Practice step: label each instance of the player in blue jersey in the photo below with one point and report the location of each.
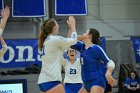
(91, 54)
(72, 66)
(52, 47)
(132, 83)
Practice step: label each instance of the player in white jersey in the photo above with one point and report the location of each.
(53, 47)
(4, 16)
(72, 66)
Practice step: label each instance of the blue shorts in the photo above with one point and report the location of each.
(72, 87)
(48, 85)
(95, 82)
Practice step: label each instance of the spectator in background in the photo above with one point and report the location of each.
(132, 83)
(4, 16)
(72, 66)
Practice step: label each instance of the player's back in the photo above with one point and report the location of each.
(51, 67)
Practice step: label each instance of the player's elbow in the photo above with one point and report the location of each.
(111, 64)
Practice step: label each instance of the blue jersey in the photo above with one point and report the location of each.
(90, 60)
(103, 69)
(131, 82)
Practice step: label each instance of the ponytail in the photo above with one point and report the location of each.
(46, 29)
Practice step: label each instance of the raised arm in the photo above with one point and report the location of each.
(71, 25)
(4, 47)
(4, 16)
(72, 35)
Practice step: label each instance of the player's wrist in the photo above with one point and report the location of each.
(4, 18)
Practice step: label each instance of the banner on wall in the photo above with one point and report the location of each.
(28, 8)
(70, 7)
(20, 53)
(24, 52)
(136, 48)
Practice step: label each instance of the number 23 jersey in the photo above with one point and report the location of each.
(72, 71)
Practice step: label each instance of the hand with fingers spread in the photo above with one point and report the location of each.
(71, 23)
(5, 12)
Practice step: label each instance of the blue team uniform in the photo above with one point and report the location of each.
(103, 68)
(72, 80)
(90, 61)
(131, 82)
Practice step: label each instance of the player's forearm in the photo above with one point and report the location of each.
(3, 50)
(2, 42)
(4, 45)
(69, 34)
(71, 30)
(71, 25)
(3, 23)
(110, 67)
(109, 70)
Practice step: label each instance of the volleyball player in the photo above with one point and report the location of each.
(53, 47)
(91, 54)
(72, 66)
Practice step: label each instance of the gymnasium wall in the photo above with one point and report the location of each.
(115, 19)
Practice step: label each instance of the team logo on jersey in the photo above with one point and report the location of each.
(81, 61)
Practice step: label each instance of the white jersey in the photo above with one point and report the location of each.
(72, 71)
(54, 47)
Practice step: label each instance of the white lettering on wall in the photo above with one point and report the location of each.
(21, 50)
